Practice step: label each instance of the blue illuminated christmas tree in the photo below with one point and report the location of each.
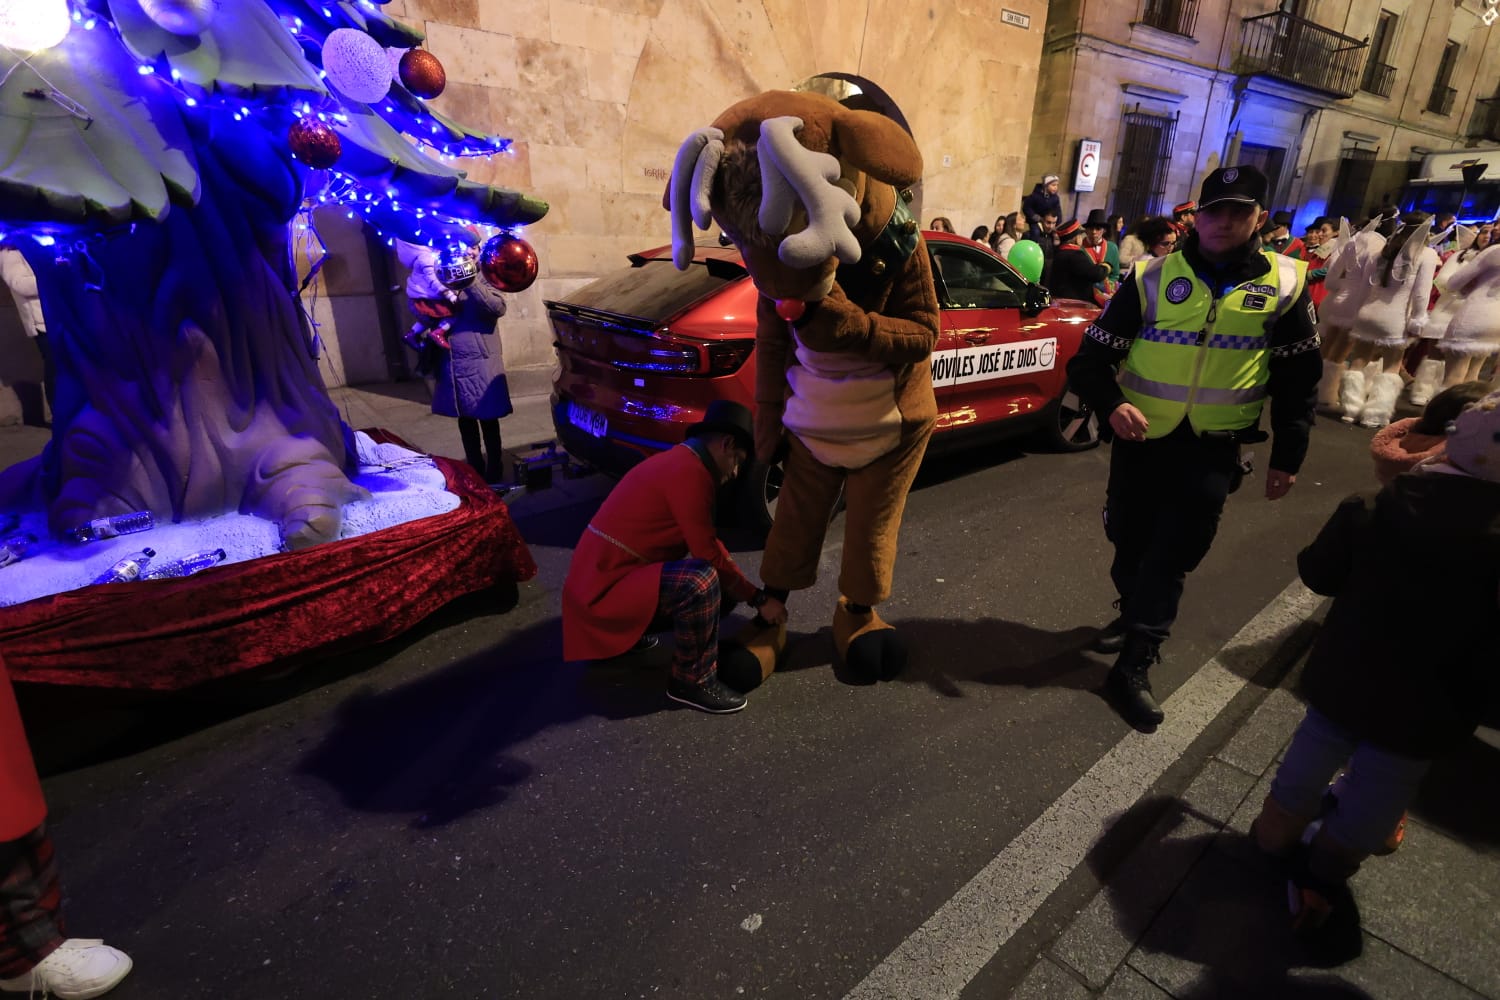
(152, 156)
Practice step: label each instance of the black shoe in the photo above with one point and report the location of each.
(1130, 686)
(1111, 639)
(712, 695)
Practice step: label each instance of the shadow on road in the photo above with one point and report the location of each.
(73, 727)
(997, 651)
(436, 746)
(1208, 913)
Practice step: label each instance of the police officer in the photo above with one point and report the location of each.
(1201, 338)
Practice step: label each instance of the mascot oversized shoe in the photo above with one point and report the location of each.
(866, 644)
(749, 658)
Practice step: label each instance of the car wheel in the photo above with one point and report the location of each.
(759, 494)
(1072, 425)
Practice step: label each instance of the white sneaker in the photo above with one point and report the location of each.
(80, 968)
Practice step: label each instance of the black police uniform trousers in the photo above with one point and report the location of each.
(1161, 513)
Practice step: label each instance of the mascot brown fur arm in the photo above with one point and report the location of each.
(809, 191)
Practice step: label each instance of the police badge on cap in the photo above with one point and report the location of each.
(1241, 185)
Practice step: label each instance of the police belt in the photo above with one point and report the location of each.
(1242, 435)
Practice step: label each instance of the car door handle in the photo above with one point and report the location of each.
(977, 336)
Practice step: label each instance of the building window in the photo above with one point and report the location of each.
(1440, 101)
(1379, 73)
(1356, 168)
(1177, 16)
(1145, 156)
(1485, 123)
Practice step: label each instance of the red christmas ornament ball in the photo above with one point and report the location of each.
(315, 143)
(508, 263)
(423, 74)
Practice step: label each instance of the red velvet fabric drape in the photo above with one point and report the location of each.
(21, 806)
(286, 608)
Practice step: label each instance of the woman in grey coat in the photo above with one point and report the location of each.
(471, 382)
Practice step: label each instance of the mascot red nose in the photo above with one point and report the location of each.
(811, 193)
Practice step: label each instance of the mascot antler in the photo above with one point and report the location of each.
(692, 179)
(789, 171)
(787, 167)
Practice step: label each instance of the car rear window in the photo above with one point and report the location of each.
(654, 291)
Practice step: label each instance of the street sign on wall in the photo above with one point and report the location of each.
(1087, 170)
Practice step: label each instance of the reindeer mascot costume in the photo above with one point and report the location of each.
(810, 193)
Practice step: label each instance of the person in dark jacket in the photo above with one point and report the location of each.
(1074, 271)
(1042, 200)
(471, 384)
(1179, 367)
(1387, 695)
(1044, 235)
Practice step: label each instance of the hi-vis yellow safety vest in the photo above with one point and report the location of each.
(1206, 360)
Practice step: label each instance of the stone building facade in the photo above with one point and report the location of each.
(1337, 101)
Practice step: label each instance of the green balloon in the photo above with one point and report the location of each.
(1026, 257)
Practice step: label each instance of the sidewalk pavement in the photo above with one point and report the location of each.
(1195, 911)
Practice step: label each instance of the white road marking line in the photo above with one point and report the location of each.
(942, 956)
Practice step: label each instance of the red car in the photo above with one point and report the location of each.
(644, 350)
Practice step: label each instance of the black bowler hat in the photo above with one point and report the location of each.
(1240, 185)
(1282, 218)
(1096, 220)
(725, 416)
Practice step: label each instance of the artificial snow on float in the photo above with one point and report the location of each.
(403, 485)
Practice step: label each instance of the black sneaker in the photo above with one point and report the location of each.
(713, 695)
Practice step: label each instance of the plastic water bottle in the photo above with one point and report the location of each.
(186, 566)
(127, 569)
(13, 549)
(101, 528)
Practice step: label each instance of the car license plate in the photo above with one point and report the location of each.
(589, 421)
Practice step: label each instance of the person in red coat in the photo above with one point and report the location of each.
(651, 555)
(36, 955)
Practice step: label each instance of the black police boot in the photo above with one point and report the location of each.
(1112, 638)
(1130, 687)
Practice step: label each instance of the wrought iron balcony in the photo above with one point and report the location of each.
(1485, 123)
(1300, 52)
(1378, 78)
(1440, 101)
(1177, 16)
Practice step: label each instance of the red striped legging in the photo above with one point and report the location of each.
(690, 603)
(31, 924)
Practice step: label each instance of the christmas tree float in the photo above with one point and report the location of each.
(153, 154)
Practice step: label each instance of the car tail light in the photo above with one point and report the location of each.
(727, 356)
(663, 356)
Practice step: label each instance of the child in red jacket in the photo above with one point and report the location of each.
(36, 955)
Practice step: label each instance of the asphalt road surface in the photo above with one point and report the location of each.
(460, 814)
